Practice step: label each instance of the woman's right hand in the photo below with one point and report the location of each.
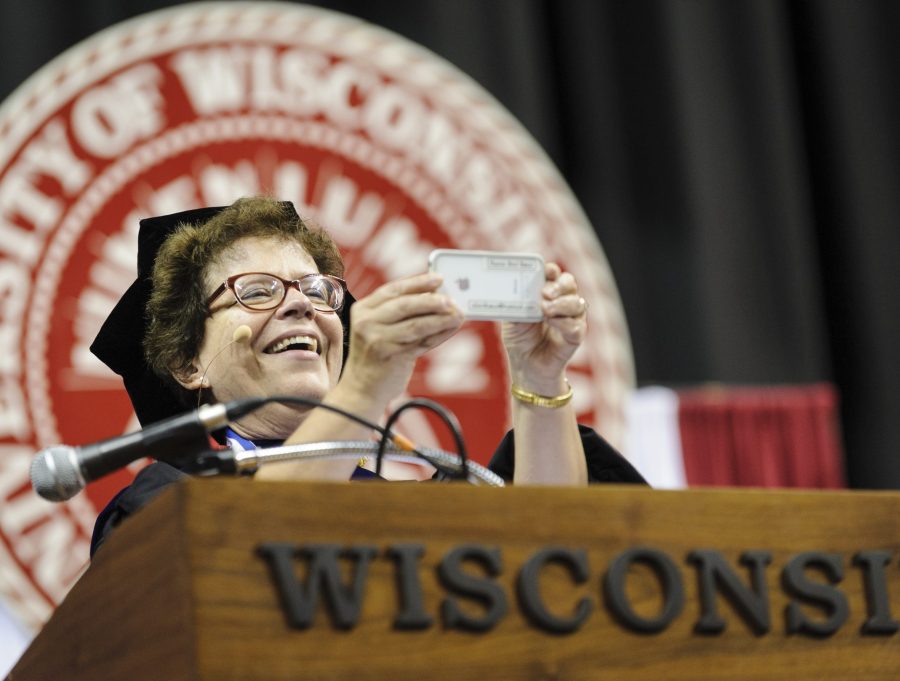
(391, 328)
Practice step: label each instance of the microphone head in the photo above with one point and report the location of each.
(242, 334)
(55, 473)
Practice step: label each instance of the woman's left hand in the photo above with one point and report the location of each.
(539, 351)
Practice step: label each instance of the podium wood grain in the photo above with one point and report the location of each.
(179, 592)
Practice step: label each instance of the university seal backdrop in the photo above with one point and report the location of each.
(389, 147)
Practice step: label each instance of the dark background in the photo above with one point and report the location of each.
(739, 160)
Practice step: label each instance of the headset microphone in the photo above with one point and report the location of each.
(242, 334)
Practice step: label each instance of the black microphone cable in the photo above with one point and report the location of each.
(447, 417)
(212, 462)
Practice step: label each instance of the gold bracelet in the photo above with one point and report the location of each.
(542, 400)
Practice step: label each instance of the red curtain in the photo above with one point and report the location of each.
(761, 437)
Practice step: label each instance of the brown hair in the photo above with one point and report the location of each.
(177, 309)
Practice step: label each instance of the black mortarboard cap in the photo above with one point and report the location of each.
(120, 342)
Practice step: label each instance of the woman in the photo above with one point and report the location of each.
(257, 264)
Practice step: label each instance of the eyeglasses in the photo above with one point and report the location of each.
(262, 291)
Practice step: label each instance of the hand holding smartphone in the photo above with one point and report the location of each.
(492, 285)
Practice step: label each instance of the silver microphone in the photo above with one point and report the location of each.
(59, 472)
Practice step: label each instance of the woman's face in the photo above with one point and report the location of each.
(261, 366)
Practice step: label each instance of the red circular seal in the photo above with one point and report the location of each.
(389, 147)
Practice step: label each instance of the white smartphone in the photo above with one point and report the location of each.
(492, 285)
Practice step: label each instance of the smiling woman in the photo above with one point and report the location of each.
(295, 347)
(193, 310)
(256, 269)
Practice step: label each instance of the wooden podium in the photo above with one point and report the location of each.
(448, 581)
